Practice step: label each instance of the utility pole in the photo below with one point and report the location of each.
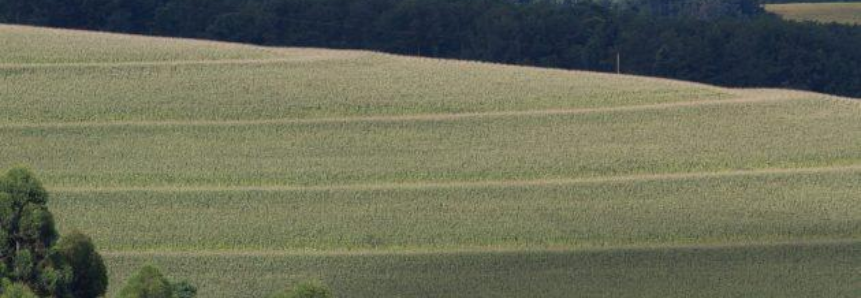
(618, 63)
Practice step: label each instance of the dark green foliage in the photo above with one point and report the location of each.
(15, 290)
(699, 9)
(148, 282)
(90, 278)
(23, 187)
(725, 42)
(55, 277)
(24, 265)
(36, 227)
(7, 211)
(307, 290)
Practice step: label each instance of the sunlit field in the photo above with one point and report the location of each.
(844, 12)
(247, 169)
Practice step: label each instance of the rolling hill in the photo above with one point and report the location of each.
(838, 12)
(246, 169)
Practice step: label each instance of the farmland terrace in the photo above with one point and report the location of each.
(246, 169)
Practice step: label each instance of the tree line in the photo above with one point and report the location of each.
(723, 42)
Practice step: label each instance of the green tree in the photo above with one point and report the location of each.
(148, 282)
(90, 277)
(27, 235)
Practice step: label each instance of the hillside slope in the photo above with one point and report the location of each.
(246, 169)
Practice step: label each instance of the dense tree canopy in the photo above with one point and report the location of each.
(90, 277)
(27, 234)
(726, 42)
(699, 9)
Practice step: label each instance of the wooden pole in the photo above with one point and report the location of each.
(618, 63)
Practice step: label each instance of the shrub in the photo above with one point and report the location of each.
(184, 289)
(148, 282)
(307, 290)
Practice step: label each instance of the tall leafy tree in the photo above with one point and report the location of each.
(27, 234)
(90, 277)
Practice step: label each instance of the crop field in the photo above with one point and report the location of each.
(756, 271)
(246, 169)
(844, 12)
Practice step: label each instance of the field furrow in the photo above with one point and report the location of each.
(473, 184)
(407, 118)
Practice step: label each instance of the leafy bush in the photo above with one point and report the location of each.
(148, 282)
(184, 289)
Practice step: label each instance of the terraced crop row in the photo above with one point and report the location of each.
(805, 270)
(734, 210)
